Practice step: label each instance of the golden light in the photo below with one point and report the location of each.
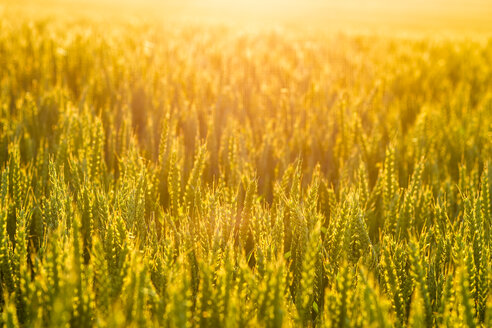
(467, 16)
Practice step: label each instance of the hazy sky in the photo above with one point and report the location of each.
(356, 5)
(464, 6)
(459, 14)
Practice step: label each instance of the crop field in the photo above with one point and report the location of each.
(208, 175)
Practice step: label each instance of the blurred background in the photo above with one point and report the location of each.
(464, 17)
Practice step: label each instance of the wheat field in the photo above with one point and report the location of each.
(206, 175)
